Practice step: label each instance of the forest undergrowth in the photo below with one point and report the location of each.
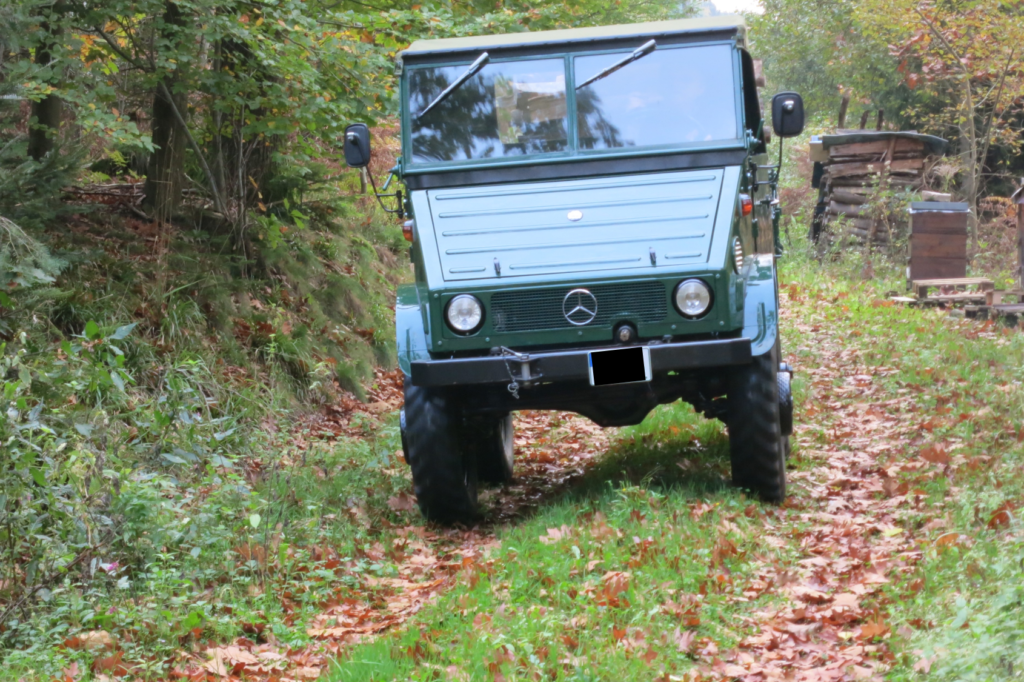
(164, 417)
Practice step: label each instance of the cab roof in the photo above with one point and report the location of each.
(728, 24)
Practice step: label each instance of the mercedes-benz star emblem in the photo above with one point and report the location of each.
(575, 215)
(579, 307)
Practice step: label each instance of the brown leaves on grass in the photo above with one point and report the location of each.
(611, 593)
(936, 454)
(686, 610)
(555, 535)
(1002, 516)
(403, 501)
(551, 450)
(847, 520)
(91, 641)
(337, 419)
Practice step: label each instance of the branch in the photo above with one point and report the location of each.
(117, 48)
(217, 199)
(942, 39)
(992, 114)
(131, 38)
(14, 140)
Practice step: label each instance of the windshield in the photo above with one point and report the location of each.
(672, 96)
(507, 109)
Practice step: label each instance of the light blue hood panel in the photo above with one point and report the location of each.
(661, 220)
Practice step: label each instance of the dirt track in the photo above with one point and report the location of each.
(827, 619)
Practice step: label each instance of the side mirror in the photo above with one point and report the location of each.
(357, 145)
(787, 114)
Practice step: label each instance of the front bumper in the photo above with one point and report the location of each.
(573, 365)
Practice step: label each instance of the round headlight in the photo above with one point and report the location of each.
(693, 298)
(737, 253)
(465, 314)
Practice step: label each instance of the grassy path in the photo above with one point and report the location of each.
(652, 567)
(626, 555)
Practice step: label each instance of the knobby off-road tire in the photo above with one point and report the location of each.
(785, 411)
(756, 444)
(490, 439)
(444, 474)
(401, 430)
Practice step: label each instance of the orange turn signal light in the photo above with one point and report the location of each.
(746, 205)
(407, 230)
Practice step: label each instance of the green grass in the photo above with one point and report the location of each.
(535, 611)
(961, 385)
(659, 508)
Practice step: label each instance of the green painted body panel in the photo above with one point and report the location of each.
(761, 319)
(654, 222)
(713, 265)
(410, 327)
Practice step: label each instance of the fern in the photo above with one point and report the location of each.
(24, 262)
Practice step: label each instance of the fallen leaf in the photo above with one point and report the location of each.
(850, 601)
(952, 539)
(683, 640)
(110, 664)
(403, 501)
(936, 454)
(556, 534)
(1001, 517)
(615, 582)
(71, 672)
(92, 641)
(871, 630)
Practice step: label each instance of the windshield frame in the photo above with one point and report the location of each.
(573, 151)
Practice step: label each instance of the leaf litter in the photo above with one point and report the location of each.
(552, 450)
(870, 453)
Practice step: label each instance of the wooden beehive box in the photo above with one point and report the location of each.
(938, 240)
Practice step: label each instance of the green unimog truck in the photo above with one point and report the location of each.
(594, 227)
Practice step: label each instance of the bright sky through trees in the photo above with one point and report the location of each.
(738, 6)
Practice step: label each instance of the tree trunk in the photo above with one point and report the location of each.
(969, 157)
(47, 111)
(165, 176)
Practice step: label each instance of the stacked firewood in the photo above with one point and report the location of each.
(857, 169)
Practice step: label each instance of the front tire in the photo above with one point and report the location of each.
(756, 444)
(490, 439)
(444, 473)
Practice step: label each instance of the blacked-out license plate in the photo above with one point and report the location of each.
(620, 366)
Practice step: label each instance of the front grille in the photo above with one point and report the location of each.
(539, 309)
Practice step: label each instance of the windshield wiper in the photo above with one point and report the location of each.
(475, 67)
(639, 52)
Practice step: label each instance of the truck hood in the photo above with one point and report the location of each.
(653, 221)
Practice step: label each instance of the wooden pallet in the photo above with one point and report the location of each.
(920, 287)
(958, 297)
(1010, 314)
(996, 297)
